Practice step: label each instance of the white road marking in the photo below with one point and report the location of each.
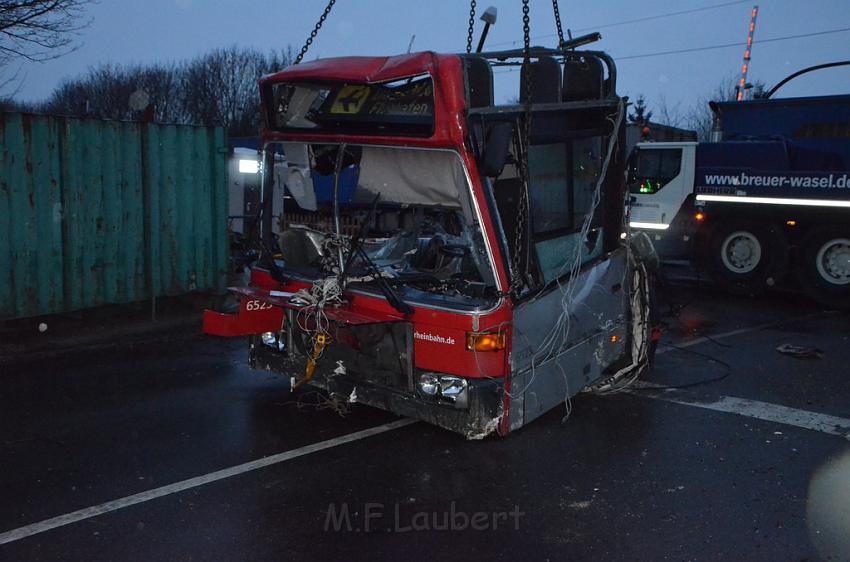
(114, 505)
(739, 331)
(766, 411)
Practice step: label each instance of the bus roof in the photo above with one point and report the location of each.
(363, 69)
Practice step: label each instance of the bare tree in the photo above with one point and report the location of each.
(220, 88)
(105, 92)
(39, 30)
(700, 118)
(667, 114)
(10, 104)
(278, 60)
(162, 83)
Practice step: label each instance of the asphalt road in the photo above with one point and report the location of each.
(139, 433)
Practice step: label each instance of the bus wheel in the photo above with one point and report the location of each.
(745, 258)
(824, 267)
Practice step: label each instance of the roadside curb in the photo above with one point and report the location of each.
(37, 338)
(173, 328)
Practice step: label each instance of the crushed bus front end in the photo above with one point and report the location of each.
(442, 257)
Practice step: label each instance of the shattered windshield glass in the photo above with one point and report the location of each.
(409, 210)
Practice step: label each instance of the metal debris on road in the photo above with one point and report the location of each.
(800, 352)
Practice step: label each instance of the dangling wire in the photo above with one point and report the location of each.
(471, 26)
(558, 23)
(315, 32)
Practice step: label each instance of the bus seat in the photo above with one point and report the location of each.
(583, 78)
(545, 81)
(479, 81)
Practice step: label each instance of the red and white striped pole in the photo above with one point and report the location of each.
(747, 54)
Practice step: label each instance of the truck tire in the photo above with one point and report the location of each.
(745, 258)
(823, 267)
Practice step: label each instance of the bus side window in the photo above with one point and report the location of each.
(654, 169)
(562, 183)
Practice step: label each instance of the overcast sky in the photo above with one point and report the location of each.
(131, 31)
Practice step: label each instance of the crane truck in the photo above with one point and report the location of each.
(765, 203)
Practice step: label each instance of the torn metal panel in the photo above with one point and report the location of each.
(592, 308)
(549, 366)
(559, 379)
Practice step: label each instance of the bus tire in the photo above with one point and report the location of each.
(823, 267)
(647, 287)
(655, 328)
(746, 258)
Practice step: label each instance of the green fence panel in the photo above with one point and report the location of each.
(103, 212)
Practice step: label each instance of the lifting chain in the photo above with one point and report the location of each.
(522, 152)
(471, 26)
(558, 23)
(315, 32)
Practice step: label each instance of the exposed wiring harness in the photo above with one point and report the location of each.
(313, 321)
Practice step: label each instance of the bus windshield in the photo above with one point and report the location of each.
(423, 235)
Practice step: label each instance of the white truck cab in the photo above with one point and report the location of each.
(661, 183)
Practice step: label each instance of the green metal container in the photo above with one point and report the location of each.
(99, 212)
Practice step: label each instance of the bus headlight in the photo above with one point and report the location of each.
(429, 384)
(447, 388)
(452, 387)
(273, 340)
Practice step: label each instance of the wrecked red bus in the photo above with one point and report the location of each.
(440, 256)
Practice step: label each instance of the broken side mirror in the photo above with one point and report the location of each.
(496, 149)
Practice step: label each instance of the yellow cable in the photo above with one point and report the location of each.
(321, 341)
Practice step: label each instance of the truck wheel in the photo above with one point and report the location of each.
(745, 258)
(824, 266)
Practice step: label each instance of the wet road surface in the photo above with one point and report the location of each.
(627, 477)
